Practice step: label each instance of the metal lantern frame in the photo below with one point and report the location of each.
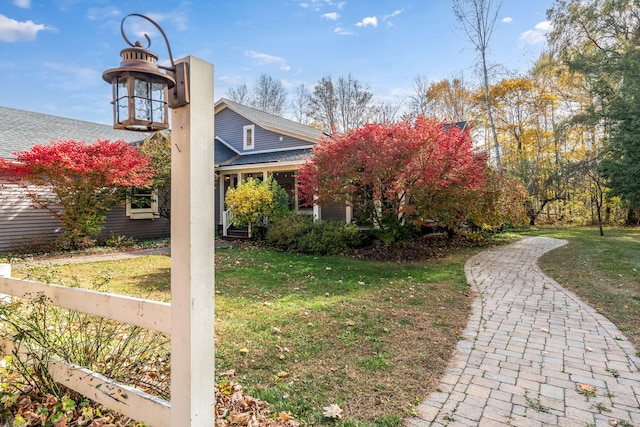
(142, 93)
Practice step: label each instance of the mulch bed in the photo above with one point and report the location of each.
(430, 246)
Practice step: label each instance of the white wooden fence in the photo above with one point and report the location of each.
(147, 314)
(190, 316)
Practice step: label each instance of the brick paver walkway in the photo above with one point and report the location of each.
(533, 354)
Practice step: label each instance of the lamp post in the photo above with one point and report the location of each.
(141, 95)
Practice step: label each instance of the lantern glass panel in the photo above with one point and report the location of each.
(158, 104)
(121, 100)
(142, 100)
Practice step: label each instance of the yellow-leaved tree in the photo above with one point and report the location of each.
(253, 201)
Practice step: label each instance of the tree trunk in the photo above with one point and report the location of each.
(496, 144)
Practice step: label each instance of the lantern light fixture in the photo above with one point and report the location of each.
(142, 93)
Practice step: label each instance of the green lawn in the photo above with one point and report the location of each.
(603, 271)
(304, 332)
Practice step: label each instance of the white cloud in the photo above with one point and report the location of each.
(12, 30)
(74, 71)
(369, 20)
(264, 58)
(25, 4)
(177, 17)
(507, 20)
(342, 31)
(538, 34)
(333, 16)
(104, 13)
(387, 18)
(544, 26)
(392, 14)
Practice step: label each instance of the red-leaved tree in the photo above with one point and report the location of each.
(396, 176)
(81, 181)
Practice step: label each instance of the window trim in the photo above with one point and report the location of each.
(143, 213)
(252, 128)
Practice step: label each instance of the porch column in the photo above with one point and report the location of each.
(220, 206)
(316, 210)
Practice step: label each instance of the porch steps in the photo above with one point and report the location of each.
(237, 234)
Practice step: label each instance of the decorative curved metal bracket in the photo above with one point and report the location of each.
(179, 95)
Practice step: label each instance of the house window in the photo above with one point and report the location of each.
(248, 139)
(142, 203)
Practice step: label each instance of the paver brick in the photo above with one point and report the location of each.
(530, 338)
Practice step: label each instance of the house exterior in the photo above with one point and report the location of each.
(252, 143)
(23, 226)
(248, 143)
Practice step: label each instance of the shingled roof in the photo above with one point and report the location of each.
(225, 156)
(20, 130)
(271, 122)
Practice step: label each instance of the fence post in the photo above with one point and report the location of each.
(192, 252)
(5, 270)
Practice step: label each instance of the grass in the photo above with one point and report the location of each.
(305, 332)
(603, 271)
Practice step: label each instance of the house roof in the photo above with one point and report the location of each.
(20, 130)
(271, 122)
(225, 156)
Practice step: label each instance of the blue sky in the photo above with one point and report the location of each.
(53, 52)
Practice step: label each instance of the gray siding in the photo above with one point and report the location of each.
(229, 126)
(22, 226)
(140, 229)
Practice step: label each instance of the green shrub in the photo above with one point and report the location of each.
(285, 231)
(118, 241)
(298, 233)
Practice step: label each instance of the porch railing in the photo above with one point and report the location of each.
(227, 221)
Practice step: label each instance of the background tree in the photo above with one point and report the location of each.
(269, 95)
(300, 104)
(84, 181)
(158, 148)
(239, 94)
(598, 40)
(418, 100)
(341, 105)
(396, 176)
(386, 112)
(478, 19)
(448, 100)
(621, 166)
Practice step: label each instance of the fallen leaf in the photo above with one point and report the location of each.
(284, 416)
(587, 387)
(332, 411)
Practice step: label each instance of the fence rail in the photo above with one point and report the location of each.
(146, 314)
